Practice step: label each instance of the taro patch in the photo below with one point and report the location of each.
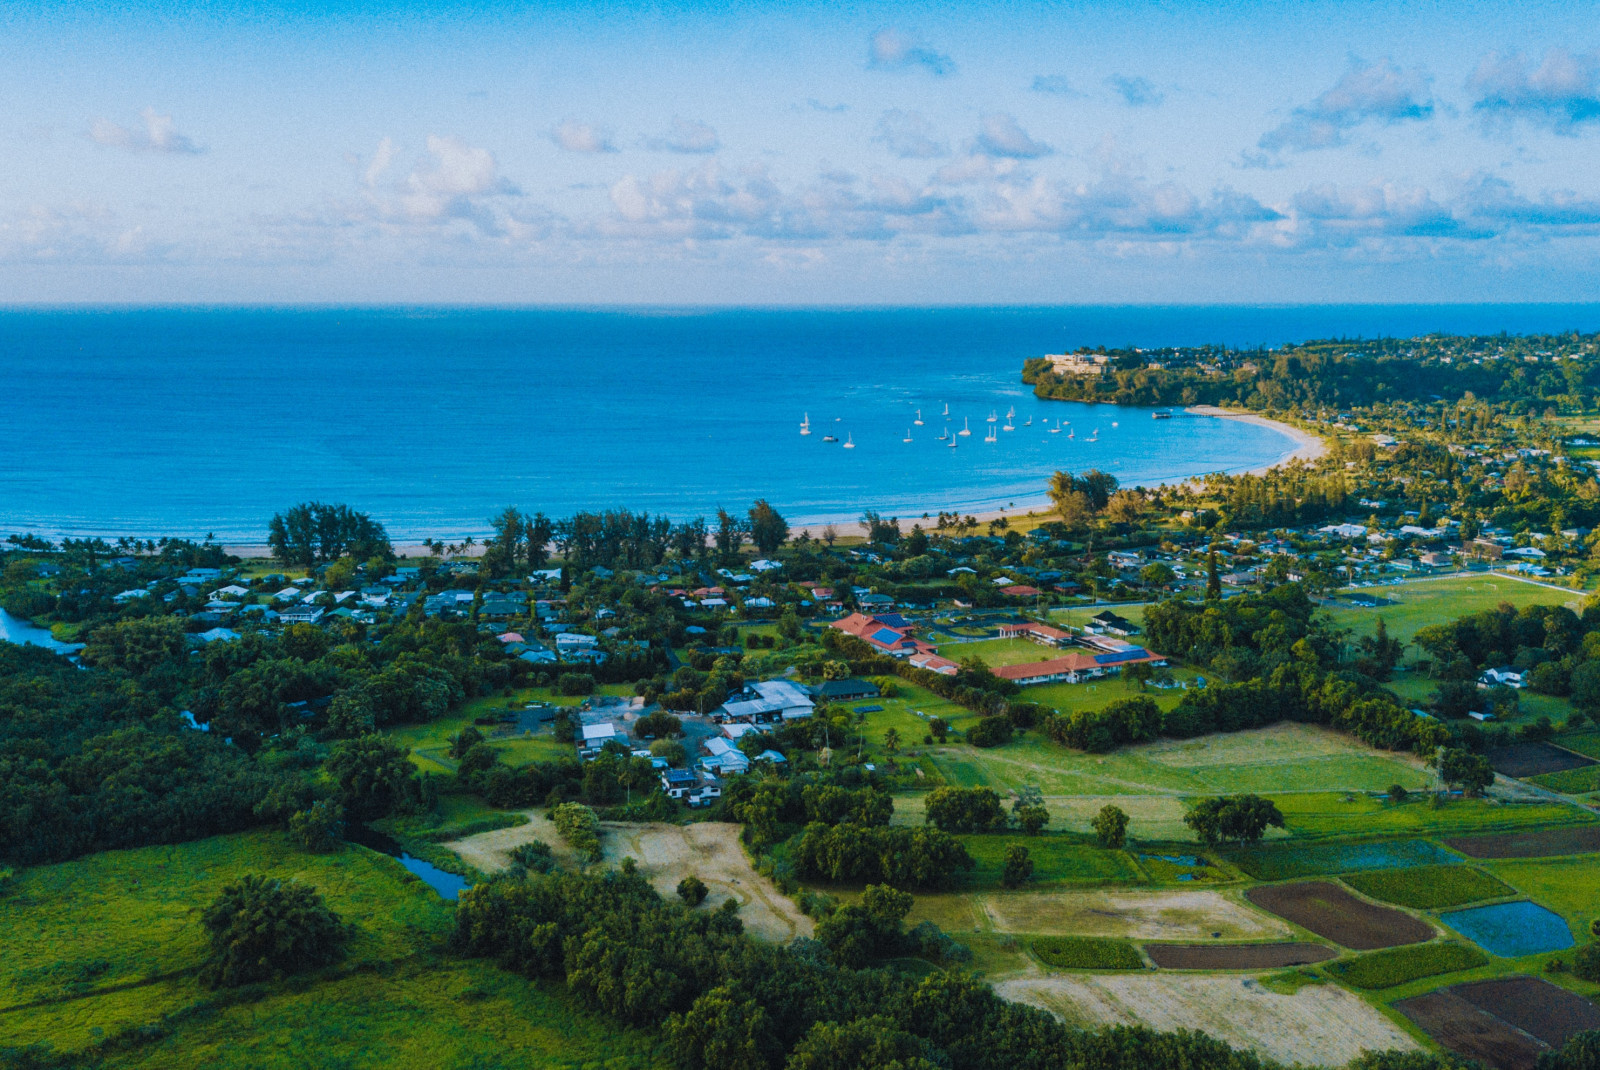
(1544, 843)
(1333, 913)
(1511, 930)
(1287, 861)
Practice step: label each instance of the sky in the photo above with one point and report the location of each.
(798, 153)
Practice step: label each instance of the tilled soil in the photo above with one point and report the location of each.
(1580, 839)
(1531, 759)
(1534, 1006)
(1333, 913)
(1470, 1031)
(1236, 956)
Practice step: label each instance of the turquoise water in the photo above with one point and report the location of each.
(17, 630)
(1511, 929)
(188, 421)
(1280, 863)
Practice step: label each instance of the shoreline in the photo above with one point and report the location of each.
(1307, 447)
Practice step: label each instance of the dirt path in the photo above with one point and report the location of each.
(665, 855)
(1318, 1025)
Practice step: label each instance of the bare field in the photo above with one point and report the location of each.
(1155, 915)
(665, 854)
(1318, 1025)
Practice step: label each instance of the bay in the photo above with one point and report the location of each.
(190, 421)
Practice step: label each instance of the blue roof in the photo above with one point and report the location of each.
(887, 636)
(1132, 653)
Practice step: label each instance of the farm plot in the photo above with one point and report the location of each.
(1086, 953)
(1570, 781)
(1583, 742)
(1333, 913)
(1154, 915)
(1470, 1031)
(1511, 930)
(1430, 887)
(1286, 862)
(1398, 965)
(1532, 759)
(1317, 1025)
(1236, 956)
(1541, 843)
(1534, 1006)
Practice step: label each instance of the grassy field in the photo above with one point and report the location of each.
(1326, 816)
(1434, 601)
(1086, 953)
(1568, 886)
(1398, 965)
(1057, 859)
(1429, 887)
(430, 743)
(110, 943)
(1417, 689)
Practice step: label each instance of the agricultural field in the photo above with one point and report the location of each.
(110, 943)
(1398, 965)
(1334, 914)
(1430, 887)
(1289, 860)
(1086, 953)
(1057, 858)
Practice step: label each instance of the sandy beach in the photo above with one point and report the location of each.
(1308, 447)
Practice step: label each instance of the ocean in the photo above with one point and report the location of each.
(189, 421)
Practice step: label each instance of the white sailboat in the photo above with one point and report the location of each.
(965, 430)
(1028, 422)
(1056, 430)
(805, 425)
(992, 436)
(848, 444)
(1011, 414)
(944, 433)
(918, 420)
(908, 435)
(992, 416)
(947, 410)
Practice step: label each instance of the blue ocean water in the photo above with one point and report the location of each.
(186, 421)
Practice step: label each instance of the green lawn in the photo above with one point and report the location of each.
(1328, 816)
(430, 743)
(1435, 601)
(1417, 689)
(1056, 859)
(109, 943)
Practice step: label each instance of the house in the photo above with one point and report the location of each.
(1504, 676)
(301, 614)
(1483, 549)
(1238, 579)
(1075, 667)
(596, 736)
(768, 701)
(1525, 551)
(875, 602)
(678, 782)
(724, 758)
(1344, 531)
(1108, 623)
(218, 635)
(1039, 633)
(1021, 590)
(1123, 559)
(763, 565)
(288, 594)
(934, 663)
(1091, 364)
(502, 606)
(888, 633)
(1434, 559)
(568, 643)
(201, 576)
(536, 653)
(232, 592)
(844, 690)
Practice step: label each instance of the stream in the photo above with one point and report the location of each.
(447, 884)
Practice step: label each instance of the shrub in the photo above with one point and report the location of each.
(579, 826)
(1111, 827)
(1398, 965)
(536, 857)
(261, 928)
(319, 827)
(1132, 720)
(693, 890)
(1429, 887)
(964, 810)
(1086, 953)
(1032, 818)
(1018, 866)
(887, 854)
(1586, 963)
(990, 732)
(575, 683)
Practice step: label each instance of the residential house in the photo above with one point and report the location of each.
(1039, 633)
(1504, 676)
(934, 663)
(725, 759)
(766, 702)
(1075, 668)
(889, 633)
(231, 593)
(1108, 623)
(1021, 590)
(301, 614)
(844, 690)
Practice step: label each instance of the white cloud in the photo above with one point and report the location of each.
(908, 135)
(1562, 92)
(999, 135)
(1378, 92)
(582, 137)
(687, 136)
(381, 159)
(890, 50)
(158, 135)
(1135, 91)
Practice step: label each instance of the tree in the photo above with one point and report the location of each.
(1157, 574)
(261, 928)
(964, 810)
(536, 535)
(891, 741)
(1582, 1050)
(1070, 503)
(1111, 827)
(137, 646)
(1459, 767)
(768, 530)
(1031, 819)
(374, 774)
(1237, 819)
(875, 1043)
(730, 534)
(1213, 577)
(1018, 867)
(692, 890)
(311, 532)
(464, 741)
(319, 827)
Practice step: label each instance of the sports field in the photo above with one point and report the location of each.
(1423, 602)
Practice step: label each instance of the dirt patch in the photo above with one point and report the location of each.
(1236, 956)
(1317, 1025)
(665, 854)
(1333, 913)
(1142, 915)
(1582, 839)
(1531, 759)
(1466, 1030)
(1535, 1006)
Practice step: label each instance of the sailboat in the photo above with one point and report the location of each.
(830, 438)
(965, 430)
(947, 410)
(1113, 423)
(992, 436)
(952, 442)
(1072, 434)
(848, 444)
(992, 416)
(908, 435)
(918, 420)
(1094, 436)
(1028, 422)
(944, 433)
(1056, 430)
(805, 425)
(1011, 414)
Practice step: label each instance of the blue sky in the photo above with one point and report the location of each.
(799, 153)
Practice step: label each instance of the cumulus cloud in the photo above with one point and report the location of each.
(687, 136)
(1366, 92)
(908, 135)
(891, 50)
(582, 137)
(1054, 83)
(1135, 91)
(999, 135)
(381, 159)
(1562, 92)
(157, 135)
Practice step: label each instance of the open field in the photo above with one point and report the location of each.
(109, 943)
(1056, 858)
(665, 855)
(1236, 956)
(1334, 914)
(1533, 759)
(1535, 1006)
(1086, 953)
(1435, 601)
(1320, 1024)
(1316, 815)
(1539, 843)
(1141, 915)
